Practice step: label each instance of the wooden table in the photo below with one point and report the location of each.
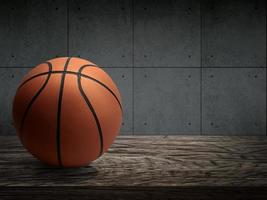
(155, 167)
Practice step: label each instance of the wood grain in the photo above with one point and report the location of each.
(175, 164)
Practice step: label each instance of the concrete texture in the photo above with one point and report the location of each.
(234, 33)
(32, 31)
(166, 101)
(167, 34)
(101, 31)
(234, 101)
(176, 44)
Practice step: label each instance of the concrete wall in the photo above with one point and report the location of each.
(183, 67)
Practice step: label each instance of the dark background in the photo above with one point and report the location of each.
(183, 67)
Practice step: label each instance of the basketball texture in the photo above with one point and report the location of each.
(67, 112)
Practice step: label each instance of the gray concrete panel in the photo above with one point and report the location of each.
(101, 31)
(167, 33)
(32, 31)
(234, 101)
(234, 33)
(166, 101)
(123, 79)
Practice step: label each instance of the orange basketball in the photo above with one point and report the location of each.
(67, 112)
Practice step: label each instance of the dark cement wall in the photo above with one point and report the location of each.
(183, 67)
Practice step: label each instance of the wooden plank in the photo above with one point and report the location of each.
(166, 162)
(148, 161)
(136, 193)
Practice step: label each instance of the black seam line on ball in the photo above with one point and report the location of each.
(77, 73)
(94, 114)
(59, 112)
(92, 108)
(44, 73)
(34, 98)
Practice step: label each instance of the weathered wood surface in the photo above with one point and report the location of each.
(175, 164)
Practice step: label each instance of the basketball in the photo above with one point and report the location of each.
(67, 112)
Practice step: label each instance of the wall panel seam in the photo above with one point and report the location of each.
(68, 25)
(132, 66)
(201, 68)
